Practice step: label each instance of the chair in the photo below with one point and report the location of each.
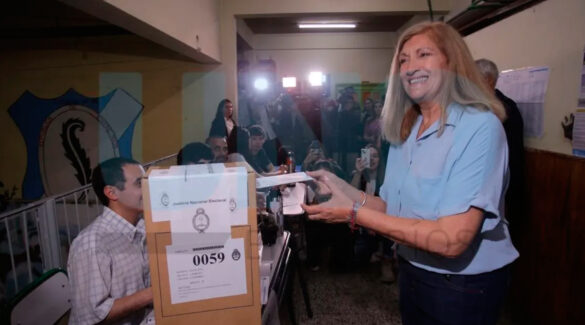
(45, 301)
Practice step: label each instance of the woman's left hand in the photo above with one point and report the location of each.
(335, 210)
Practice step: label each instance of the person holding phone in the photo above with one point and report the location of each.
(445, 179)
(314, 154)
(368, 177)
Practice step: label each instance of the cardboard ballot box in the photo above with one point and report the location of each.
(202, 243)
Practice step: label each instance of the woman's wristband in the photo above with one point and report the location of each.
(353, 216)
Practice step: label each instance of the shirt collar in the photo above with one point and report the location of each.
(454, 111)
(118, 223)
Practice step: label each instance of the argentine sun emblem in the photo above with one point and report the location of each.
(200, 220)
(236, 255)
(233, 205)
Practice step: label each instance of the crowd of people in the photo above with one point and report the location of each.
(419, 176)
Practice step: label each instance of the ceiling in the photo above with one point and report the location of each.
(366, 22)
(49, 19)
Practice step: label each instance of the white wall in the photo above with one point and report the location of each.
(551, 34)
(346, 57)
(229, 9)
(190, 27)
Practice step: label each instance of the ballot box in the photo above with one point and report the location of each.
(203, 244)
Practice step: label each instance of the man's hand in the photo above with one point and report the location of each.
(127, 305)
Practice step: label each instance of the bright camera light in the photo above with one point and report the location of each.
(289, 82)
(316, 78)
(261, 84)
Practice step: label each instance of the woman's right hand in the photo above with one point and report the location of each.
(337, 207)
(325, 176)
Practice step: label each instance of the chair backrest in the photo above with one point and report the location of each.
(44, 301)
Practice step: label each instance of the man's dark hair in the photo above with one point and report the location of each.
(193, 152)
(257, 130)
(212, 136)
(110, 172)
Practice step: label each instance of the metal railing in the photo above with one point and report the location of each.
(37, 237)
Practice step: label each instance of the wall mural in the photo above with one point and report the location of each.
(67, 136)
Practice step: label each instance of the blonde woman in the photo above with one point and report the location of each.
(445, 178)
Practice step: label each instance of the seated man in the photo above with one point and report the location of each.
(108, 261)
(258, 158)
(194, 153)
(219, 147)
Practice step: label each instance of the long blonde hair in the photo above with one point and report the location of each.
(462, 83)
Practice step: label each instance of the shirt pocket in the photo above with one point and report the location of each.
(427, 197)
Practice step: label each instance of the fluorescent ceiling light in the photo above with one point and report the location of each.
(327, 25)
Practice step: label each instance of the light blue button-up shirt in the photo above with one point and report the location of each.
(437, 176)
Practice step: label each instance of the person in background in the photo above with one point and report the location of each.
(372, 127)
(321, 235)
(368, 112)
(316, 158)
(194, 153)
(349, 129)
(261, 107)
(445, 180)
(219, 147)
(314, 154)
(514, 127)
(108, 262)
(258, 158)
(329, 122)
(369, 179)
(239, 146)
(224, 124)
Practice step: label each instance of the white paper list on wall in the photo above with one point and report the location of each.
(579, 122)
(527, 87)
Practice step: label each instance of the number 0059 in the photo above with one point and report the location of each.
(205, 259)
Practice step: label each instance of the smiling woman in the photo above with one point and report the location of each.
(421, 69)
(445, 178)
(419, 73)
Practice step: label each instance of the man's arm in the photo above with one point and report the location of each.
(125, 306)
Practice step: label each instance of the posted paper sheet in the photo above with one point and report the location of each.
(527, 87)
(198, 273)
(182, 190)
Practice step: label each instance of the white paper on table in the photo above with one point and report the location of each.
(292, 197)
(198, 273)
(271, 181)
